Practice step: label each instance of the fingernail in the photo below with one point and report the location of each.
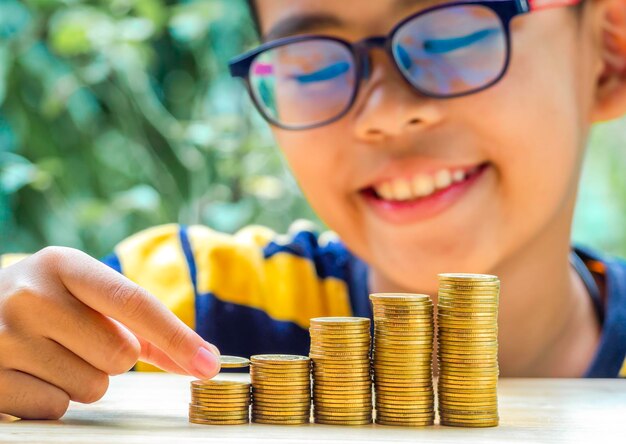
(214, 349)
(206, 363)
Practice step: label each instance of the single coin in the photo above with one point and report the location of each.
(343, 415)
(279, 359)
(227, 361)
(281, 421)
(303, 417)
(404, 423)
(216, 422)
(343, 422)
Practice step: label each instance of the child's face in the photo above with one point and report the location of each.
(528, 132)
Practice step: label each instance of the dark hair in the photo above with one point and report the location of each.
(254, 13)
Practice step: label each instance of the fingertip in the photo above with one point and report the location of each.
(214, 349)
(206, 363)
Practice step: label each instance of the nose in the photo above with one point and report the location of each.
(388, 107)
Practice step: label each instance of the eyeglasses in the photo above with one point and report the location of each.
(445, 51)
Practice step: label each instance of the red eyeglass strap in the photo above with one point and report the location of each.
(538, 5)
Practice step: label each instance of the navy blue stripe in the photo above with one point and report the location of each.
(612, 349)
(329, 260)
(191, 261)
(244, 331)
(112, 261)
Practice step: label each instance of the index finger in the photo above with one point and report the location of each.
(116, 296)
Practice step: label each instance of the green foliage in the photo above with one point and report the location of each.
(116, 115)
(119, 115)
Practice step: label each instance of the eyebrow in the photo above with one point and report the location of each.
(310, 22)
(301, 24)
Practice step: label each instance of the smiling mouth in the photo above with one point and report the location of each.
(422, 186)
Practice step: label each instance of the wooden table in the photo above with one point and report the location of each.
(151, 408)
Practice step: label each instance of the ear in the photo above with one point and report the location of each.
(610, 97)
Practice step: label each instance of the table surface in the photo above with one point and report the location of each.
(149, 408)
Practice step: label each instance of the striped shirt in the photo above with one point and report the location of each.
(255, 291)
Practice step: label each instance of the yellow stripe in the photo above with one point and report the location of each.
(622, 372)
(9, 259)
(285, 286)
(154, 259)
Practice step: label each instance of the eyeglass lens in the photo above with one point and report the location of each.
(445, 52)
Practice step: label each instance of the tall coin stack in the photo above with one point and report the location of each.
(219, 402)
(402, 359)
(281, 389)
(468, 349)
(342, 385)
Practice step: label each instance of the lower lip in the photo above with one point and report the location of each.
(412, 211)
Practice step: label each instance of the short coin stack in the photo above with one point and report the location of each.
(468, 349)
(219, 402)
(402, 359)
(281, 389)
(342, 385)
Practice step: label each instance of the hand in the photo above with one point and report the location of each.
(67, 322)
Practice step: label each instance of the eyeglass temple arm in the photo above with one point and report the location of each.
(540, 5)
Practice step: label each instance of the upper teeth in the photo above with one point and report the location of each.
(419, 185)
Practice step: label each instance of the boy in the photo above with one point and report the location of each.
(454, 145)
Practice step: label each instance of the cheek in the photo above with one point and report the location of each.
(534, 125)
(321, 164)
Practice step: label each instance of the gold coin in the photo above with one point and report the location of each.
(282, 390)
(275, 405)
(342, 415)
(220, 407)
(281, 421)
(338, 352)
(281, 412)
(404, 423)
(216, 422)
(226, 393)
(332, 403)
(398, 414)
(339, 334)
(339, 320)
(343, 422)
(393, 298)
(339, 372)
(451, 423)
(483, 310)
(468, 406)
(422, 407)
(341, 410)
(195, 416)
(220, 384)
(325, 394)
(470, 397)
(404, 341)
(406, 313)
(401, 335)
(227, 361)
(260, 417)
(324, 343)
(281, 399)
(453, 379)
(465, 277)
(473, 411)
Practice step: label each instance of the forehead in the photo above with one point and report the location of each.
(281, 18)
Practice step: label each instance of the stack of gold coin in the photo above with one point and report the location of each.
(468, 349)
(281, 389)
(402, 359)
(219, 402)
(342, 385)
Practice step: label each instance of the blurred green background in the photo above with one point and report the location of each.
(116, 115)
